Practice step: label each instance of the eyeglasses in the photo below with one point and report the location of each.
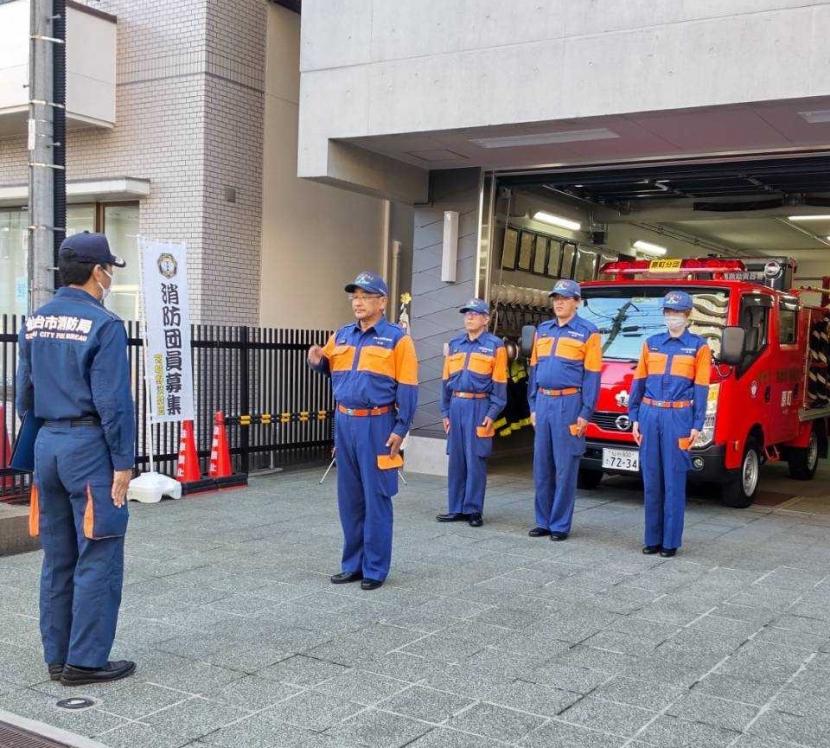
(362, 297)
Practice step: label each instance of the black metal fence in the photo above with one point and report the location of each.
(278, 412)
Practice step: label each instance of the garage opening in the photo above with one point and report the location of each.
(762, 212)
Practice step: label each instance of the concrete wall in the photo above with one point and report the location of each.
(314, 237)
(415, 66)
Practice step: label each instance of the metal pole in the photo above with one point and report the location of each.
(41, 140)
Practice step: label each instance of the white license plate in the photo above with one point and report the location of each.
(621, 459)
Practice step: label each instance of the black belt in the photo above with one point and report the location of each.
(85, 421)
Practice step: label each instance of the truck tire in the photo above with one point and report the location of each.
(739, 492)
(803, 461)
(588, 479)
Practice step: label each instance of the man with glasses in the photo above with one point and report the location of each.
(474, 392)
(74, 374)
(563, 389)
(374, 373)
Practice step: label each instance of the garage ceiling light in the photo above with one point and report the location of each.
(822, 217)
(545, 138)
(816, 117)
(564, 223)
(649, 249)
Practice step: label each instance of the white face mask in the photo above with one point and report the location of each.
(675, 322)
(105, 290)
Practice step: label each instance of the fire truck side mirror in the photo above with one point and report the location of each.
(732, 345)
(528, 333)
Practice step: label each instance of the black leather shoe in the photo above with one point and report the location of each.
(667, 552)
(539, 532)
(475, 520)
(370, 584)
(55, 672)
(650, 550)
(559, 536)
(344, 577)
(452, 517)
(76, 676)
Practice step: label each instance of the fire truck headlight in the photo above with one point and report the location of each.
(707, 435)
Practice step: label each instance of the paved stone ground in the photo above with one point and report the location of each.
(479, 638)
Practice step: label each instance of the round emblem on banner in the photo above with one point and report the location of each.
(167, 265)
(772, 269)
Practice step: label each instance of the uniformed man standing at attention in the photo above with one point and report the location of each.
(564, 383)
(374, 373)
(73, 372)
(474, 393)
(667, 407)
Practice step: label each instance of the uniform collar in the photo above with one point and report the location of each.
(572, 322)
(377, 327)
(684, 338)
(65, 292)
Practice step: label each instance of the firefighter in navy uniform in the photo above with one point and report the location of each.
(667, 407)
(474, 392)
(73, 372)
(565, 368)
(374, 374)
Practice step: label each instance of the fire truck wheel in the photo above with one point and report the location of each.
(803, 461)
(588, 479)
(739, 492)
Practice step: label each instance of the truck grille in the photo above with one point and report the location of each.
(608, 421)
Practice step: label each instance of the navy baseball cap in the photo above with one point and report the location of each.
(567, 288)
(90, 248)
(368, 282)
(479, 306)
(679, 301)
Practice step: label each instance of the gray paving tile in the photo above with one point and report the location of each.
(607, 716)
(302, 671)
(379, 729)
(671, 732)
(496, 722)
(556, 734)
(644, 693)
(253, 693)
(740, 689)
(713, 710)
(443, 737)
(533, 698)
(361, 686)
(568, 677)
(775, 725)
(313, 711)
(258, 731)
(137, 699)
(193, 718)
(133, 734)
(426, 704)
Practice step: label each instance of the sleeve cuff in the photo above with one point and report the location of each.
(493, 412)
(400, 430)
(586, 413)
(123, 462)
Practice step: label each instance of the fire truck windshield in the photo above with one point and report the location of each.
(627, 315)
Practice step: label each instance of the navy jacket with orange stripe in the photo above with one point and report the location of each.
(673, 369)
(479, 366)
(373, 368)
(565, 356)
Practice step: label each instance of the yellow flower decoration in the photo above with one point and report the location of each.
(406, 298)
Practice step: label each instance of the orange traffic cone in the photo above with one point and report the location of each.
(187, 469)
(5, 449)
(220, 454)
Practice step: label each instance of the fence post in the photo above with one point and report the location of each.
(244, 399)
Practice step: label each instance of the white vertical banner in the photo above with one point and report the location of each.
(168, 368)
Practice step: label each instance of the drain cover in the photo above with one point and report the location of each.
(77, 702)
(16, 737)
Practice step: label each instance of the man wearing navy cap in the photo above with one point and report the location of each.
(73, 372)
(474, 393)
(563, 388)
(667, 407)
(374, 374)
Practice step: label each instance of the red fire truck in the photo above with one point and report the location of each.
(769, 398)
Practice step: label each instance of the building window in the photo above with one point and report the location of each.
(119, 221)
